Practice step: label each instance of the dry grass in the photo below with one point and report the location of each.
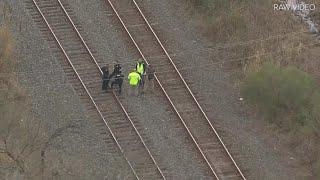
(8, 84)
(6, 49)
(283, 52)
(17, 141)
(242, 21)
(24, 141)
(226, 22)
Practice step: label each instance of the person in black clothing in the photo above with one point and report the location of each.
(118, 80)
(150, 73)
(116, 70)
(105, 77)
(116, 77)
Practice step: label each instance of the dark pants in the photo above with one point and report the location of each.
(142, 81)
(105, 84)
(119, 82)
(150, 82)
(150, 76)
(141, 84)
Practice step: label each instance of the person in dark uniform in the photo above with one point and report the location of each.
(118, 80)
(105, 77)
(116, 70)
(150, 74)
(116, 77)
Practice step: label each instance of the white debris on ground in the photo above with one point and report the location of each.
(304, 14)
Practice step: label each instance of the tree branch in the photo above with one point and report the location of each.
(19, 162)
(56, 134)
(31, 143)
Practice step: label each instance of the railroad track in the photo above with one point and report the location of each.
(205, 137)
(82, 69)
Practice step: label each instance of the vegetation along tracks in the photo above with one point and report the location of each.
(82, 69)
(205, 137)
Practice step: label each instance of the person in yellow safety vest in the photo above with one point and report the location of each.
(134, 80)
(141, 69)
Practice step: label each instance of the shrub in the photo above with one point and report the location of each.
(315, 115)
(282, 94)
(295, 89)
(257, 89)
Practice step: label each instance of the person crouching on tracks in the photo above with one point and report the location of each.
(150, 73)
(105, 78)
(141, 69)
(134, 81)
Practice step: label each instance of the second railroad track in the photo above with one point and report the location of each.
(205, 137)
(84, 72)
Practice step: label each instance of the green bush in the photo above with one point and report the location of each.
(283, 95)
(257, 89)
(315, 115)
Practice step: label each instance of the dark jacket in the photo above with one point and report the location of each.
(116, 70)
(150, 72)
(105, 73)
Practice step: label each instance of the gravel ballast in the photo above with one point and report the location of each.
(81, 153)
(78, 152)
(258, 153)
(172, 147)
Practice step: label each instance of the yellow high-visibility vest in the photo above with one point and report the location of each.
(134, 78)
(140, 68)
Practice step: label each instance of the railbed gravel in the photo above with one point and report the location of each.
(79, 152)
(55, 101)
(173, 149)
(254, 150)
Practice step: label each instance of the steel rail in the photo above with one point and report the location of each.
(166, 94)
(114, 95)
(189, 90)
(87, 91)
(186, 68)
